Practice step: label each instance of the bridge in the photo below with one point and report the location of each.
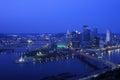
(111, 65)
(110, 48)
(73, 54)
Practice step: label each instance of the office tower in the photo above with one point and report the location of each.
(68, 39)
(108, 35)
(96, 41)
(68, 34)
(86, 36)
(101, 43)
(95, 32)
(76, 39)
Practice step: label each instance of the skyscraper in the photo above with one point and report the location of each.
(76, 39)
(108, 35)
(95, 32)
(68, 34)
(68, 39)
(86, 36)
(96, 42)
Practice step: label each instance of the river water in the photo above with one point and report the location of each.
(112, 55)
(10, 70)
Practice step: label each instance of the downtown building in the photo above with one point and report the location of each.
(76, 39)
(86, 37)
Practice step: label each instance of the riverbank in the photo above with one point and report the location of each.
(109, 75)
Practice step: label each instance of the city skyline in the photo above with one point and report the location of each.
(58, 16)
(80, 30)
(59, 39)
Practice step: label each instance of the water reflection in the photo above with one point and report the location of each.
(52, 67)
(40, 70)
(112, 55)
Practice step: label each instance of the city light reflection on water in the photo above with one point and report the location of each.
(112, 55)
(71, 65)
(39, 70)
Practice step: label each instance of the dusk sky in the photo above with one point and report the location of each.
(40, 16)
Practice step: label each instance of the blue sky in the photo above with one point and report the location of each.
(39, 16)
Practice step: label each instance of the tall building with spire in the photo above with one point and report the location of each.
(108, 35)
(68, 39)
(68, 34)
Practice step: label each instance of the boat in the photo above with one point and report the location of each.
(21, 60)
